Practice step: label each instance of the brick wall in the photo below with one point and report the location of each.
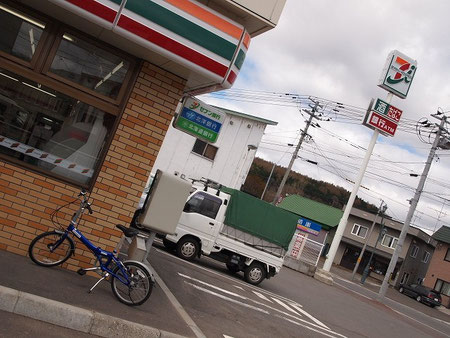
(27, 198)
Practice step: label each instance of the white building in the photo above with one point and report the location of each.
(227, 161)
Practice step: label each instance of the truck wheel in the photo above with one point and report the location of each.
(187, 248)
(233, 268)
(254, 273)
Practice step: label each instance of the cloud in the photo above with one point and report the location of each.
(336, 50)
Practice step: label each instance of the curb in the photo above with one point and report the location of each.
(72, 317)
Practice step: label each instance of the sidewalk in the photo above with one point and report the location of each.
(45, 294)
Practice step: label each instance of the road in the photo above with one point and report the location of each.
(288, 305)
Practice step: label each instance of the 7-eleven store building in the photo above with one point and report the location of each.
(87, 91)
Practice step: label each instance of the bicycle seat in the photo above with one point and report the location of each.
(128, 232)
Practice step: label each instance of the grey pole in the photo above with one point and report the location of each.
(268, 181)
(412, 208)
(367, 239)
(294, 155)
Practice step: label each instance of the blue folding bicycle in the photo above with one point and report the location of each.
(131, 281)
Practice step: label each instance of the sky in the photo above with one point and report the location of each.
(335, 51)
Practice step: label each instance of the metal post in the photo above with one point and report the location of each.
(343, 222)
(294, 155)
(410, 214)
(367, 240)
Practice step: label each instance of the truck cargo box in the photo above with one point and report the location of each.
(259, 218)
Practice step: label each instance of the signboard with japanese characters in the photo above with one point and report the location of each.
(199, 119)
(398, 74)
(308, 226)
(382, 123)
(383, 116)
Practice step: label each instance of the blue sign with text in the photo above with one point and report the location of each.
(308, 226)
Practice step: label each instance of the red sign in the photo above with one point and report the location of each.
(382, 123)
(394, 113)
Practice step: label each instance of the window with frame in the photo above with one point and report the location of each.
(60, 94)
(442, 287)
(405, 278)
(414, 251)
(205, 149)
(204, 204)
(360, 230)
(389, 241)
(426, 257)
(447, 255)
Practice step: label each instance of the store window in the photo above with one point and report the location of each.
(21, 33)
(360, 230)
(60, 95)
(87, 65)
(204, 149)
(50, 130)
(389, 241)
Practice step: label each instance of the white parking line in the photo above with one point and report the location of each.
(328, 334)
(260, 295)
(285, 306)
(309, 316)
(294, 319)
(228, 298)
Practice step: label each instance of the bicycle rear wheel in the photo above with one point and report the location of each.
(140, 287)
(47, 250)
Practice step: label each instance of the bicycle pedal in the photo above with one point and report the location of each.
(81, 272)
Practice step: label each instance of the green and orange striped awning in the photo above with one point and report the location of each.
(184, 31)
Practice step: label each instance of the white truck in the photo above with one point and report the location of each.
(243, 232)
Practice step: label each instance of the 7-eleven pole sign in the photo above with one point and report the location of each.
(383, 117)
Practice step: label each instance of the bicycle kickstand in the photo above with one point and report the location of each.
(82, 272)
(98, 282)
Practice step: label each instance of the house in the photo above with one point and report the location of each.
(226, 161)
(88, 89)
(438, 274)
(306, 245)
(412, 262)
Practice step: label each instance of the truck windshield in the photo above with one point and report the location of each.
(204, 204)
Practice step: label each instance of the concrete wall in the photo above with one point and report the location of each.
(27, 198)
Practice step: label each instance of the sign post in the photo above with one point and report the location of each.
(396, 78)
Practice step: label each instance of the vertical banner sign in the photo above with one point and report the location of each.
(398, 74)
(200, 120)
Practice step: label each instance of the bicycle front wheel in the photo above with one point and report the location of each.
(139, 288)
(48, 249)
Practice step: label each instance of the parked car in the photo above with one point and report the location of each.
(421, 294)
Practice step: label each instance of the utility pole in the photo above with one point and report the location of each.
(412, 208)
(268, 181)
(381, 209)
(294, 155)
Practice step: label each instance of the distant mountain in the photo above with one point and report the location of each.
(298, 184)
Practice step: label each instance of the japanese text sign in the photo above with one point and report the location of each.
(200, 120)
